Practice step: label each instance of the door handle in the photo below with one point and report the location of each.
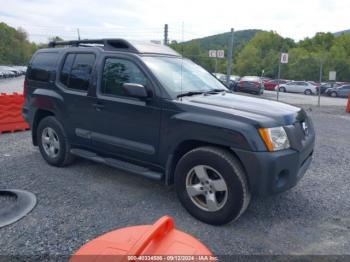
(98, 106)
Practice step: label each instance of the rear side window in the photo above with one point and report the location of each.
(42, 66)
(76, 71)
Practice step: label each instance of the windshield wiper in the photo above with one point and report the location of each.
(190, 93)
(215, 91)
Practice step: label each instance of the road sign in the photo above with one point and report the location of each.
(217, 53)
(212, 53)
(284, 58)
(220, 53)
(332, 75)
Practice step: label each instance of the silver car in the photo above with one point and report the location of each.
(298, 87)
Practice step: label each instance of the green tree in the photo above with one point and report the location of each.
(14, 45)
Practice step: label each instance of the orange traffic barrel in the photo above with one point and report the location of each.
(348, 107)
(160, 242)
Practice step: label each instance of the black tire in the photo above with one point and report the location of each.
(282, 89)
(333, 94)
(308, 92)
(230, 169)
(64, 156)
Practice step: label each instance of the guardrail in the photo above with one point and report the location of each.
(11, 119)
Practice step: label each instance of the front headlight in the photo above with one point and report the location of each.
(275, 138)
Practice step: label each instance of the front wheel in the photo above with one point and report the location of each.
(282, 89)
(211, 185)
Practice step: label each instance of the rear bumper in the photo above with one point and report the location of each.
(274, 172)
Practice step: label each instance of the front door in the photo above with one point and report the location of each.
(125, 126)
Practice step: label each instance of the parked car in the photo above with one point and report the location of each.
(265, 79)
(232, 82)
(271, 85)
(325, 86)
(7, 73)
(165, 118)
(298, 87)
(250, 84)
(341, 91)
(14, 72)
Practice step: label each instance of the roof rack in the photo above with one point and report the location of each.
(108, 44)
(119, 45)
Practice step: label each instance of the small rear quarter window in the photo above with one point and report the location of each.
(42, 66)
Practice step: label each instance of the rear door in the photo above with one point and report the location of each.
(125, 126)
(75, 81)
(344, 91)
(301, 87)
(292, 87)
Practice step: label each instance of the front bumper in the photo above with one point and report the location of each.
(274, 172)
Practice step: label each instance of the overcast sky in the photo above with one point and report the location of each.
(137, 19)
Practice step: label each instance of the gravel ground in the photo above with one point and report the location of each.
(85, 200)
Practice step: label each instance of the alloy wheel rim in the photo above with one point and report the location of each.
(206, 188)
(50, 142)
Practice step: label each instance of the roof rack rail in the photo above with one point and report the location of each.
(115, 44)
(108, 44)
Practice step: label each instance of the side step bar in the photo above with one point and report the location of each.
(125, 166)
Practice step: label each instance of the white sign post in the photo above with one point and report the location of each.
(284, 58)
(332, 75)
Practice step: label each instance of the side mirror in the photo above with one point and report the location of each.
(135, 90)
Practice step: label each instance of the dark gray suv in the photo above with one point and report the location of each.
(143, 108)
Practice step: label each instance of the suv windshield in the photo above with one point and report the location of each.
(194, 78)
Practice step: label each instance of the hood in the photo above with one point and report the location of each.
(266, 112)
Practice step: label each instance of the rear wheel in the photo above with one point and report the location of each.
(307, 92)
(53, 143)
(211, 185)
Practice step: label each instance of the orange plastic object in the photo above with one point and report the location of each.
(11, 113)
(348, 107)
(160, 241)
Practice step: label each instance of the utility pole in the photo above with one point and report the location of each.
(229, 59)
(78, 33)
(166, 41)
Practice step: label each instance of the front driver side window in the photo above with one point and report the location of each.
(116, 72)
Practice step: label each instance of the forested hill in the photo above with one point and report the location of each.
(221, 40)
(342, 32)
(15, 48)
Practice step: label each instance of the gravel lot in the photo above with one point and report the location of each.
(85, 200)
